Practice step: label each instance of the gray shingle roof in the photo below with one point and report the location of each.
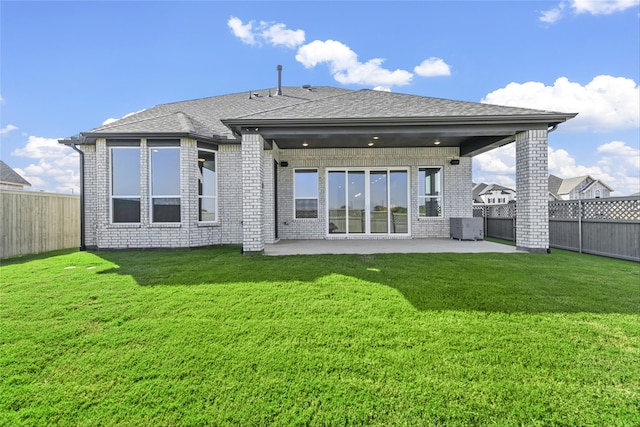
(11, 177)
(559, 186)
(203, 116)
(377, 104)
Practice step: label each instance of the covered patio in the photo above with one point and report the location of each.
(354, 140)
(398, 246)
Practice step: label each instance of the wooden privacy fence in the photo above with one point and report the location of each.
(608, 227)
(38, 222)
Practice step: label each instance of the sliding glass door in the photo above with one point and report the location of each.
(367, 202)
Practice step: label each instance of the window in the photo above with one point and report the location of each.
(306, 193)
(125, 184)
(430, 192)
(367, 201)
(165, 184)
(207, 186)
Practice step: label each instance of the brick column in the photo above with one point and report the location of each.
(532, 205)
(252, 194)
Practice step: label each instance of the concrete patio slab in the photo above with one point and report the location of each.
(379, 246)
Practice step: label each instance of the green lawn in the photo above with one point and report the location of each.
(209, 337)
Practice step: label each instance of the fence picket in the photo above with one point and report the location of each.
(38, 222)
(608, 227)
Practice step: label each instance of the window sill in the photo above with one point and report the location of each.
(167, 225)
(124, 225)
(209, 224)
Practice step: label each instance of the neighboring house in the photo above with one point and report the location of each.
(301, 163)
(580, 187)
(492, 194)
(10, 179)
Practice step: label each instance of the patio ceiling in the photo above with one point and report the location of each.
(472, 135)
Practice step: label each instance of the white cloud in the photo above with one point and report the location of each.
(563, 165)
(552, 15)
(111, 120)
(615, 168)
(242, 31)
(622, 162)
(593, 7)
(56, 168)
(345, 67)
(605, 103)
(7, 129)
(500, 160)
(343, 62)
(270, 33)
(603, 7)
(279, 35)
(432, 67)
(622, 154)
(617, 165)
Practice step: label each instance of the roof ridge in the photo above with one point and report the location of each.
(305, 101)
(185, 120)
(246, 92)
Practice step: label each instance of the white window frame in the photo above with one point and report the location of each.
(123, 196)
(422, 198)
(215, 198)
(316, 198)
(367, 172)
(163, 196)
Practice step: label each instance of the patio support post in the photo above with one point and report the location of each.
(532, 204)
(252, 194)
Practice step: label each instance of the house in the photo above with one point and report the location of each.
(10, 179)
(492, 194)
(301, 163)
(580, 187)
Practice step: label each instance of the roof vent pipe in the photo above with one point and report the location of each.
(279, 93)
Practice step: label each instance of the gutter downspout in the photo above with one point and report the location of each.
(83, 247)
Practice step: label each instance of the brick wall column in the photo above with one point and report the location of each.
(252, 194)
(532, 205)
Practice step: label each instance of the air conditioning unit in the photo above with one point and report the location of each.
(467, 228)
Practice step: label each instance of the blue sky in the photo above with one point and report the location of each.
(66, 67)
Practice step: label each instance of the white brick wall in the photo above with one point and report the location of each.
(251, 220)
(252, 193)
(230, 193)
(532, 228)
(457, 185)
(101, 234)
(90, 195)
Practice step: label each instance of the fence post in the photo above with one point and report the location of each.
(579, 226)
(485, 215)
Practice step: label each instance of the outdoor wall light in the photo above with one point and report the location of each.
(455, 161)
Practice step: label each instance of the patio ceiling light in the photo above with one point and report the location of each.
(436, 142)
(305, 144)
